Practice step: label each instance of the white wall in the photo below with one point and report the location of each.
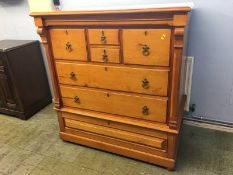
(15, 22)
(80, 4)
(210, 42)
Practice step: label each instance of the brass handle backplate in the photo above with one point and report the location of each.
(105, 56)
(72, 76)
(76, 99)
(69, 47)
(145, 83)
(103, 38)
(145, 50)
(145, 110)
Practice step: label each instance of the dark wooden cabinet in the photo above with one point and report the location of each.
(24, 85)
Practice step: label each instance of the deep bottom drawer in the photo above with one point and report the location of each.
(107, 144)
(138, 142)
(158, 143)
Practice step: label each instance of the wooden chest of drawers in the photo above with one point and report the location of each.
(118, 78)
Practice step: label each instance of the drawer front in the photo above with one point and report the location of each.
(139, 106)
(119, 124)
(115, 133)
(68, 44)
(140, 80)
(103, 36)
(105, 54)
(146, 46)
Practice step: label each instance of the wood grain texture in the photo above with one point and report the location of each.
(45, 37)
(74, 37)
(123, 135)
(145, 49)
(105, 54)
(139, 129)
(110, 144)
(110, 35)
(157, 41)
(127, 11)
(135, 122)
(116, 103)
(114, 77)
(24, 88)
(177, 79)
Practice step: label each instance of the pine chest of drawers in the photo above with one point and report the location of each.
(118, 78)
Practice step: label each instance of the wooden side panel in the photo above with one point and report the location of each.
(45, 38)
(114, 77)
(146, 46)
(68, 44)
(116, 103)
(177, 97)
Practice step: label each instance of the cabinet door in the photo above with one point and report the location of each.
(6, 93)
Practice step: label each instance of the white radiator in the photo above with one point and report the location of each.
(188, 80)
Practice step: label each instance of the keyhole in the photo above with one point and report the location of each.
(106, 69)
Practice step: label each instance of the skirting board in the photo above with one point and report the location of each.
(208, 125)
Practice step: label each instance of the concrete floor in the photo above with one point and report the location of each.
(33, 147)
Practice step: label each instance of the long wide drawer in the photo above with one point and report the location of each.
(139, 106)
(139, 80)
(115, 133)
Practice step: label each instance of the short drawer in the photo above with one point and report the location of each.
(138, 106)
(105, 54)
(68, 44)
(158, 143)
(103, 36)
(146, 46)
(139, 80)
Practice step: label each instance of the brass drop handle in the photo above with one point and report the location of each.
(145, 83)
(72, 76)
(105, 56)
(69, 47)
(76, 99)
(103, 38)
(145, 50)
(145, 110)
